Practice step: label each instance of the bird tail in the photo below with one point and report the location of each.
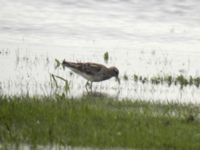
(69, 64)
(66, 63)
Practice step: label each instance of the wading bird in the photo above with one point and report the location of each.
(92, 72)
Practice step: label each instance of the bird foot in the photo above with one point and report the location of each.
(88, 84)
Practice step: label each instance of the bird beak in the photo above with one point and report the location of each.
(117, 79)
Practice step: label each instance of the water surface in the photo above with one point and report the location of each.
(155, 37)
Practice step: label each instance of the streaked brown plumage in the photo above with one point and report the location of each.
(92, 72)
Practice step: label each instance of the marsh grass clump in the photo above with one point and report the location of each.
(156, 80)
(142, 79)
(125, 77)
(135, 78)
(182, 81)
(196, 81)
(145, 80)
(66, 87)
(106, 57)
(191, 82)
(168, 79)
(57, 63)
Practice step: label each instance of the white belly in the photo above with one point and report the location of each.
(95, 78)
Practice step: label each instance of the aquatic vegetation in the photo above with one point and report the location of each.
(98, 121)
(106, 57)
(169, 80)
(125, 77)
(66, 87)
(4, 52)
(156, 80)
(57, 63)
(135, 77)
(196, 81)
(181, 80)
(143, 80)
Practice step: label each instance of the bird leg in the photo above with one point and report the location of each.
(91, 86)
(88, 84)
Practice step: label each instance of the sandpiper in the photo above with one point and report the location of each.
(92, 72)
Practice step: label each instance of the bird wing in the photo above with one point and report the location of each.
(91, 68)
(87, 68)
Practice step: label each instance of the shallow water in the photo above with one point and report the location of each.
(158, 37)
(53, 147)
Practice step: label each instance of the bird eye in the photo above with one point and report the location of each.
(116, 71)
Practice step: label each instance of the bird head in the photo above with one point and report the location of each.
(115, 72)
